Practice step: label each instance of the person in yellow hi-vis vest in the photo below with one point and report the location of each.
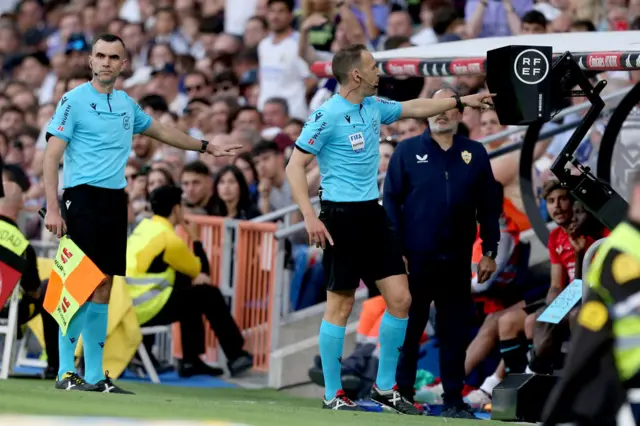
(13, 244)
(168, 282)
(603, 365)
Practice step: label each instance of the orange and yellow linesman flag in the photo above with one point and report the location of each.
(74, 278)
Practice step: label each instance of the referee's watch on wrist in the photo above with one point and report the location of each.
(491, 254)
(203, 149)
(459, 103)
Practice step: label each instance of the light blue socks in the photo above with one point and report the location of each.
(94, 336)
(392, 332)
(331, 342)
(67, 344)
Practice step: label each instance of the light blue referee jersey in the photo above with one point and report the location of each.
(345, 138)
(98, 130)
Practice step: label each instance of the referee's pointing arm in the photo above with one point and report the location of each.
(357, 71)
(96, 114)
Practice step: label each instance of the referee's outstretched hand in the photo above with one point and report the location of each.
(318, 233)
(479, 100)
(218, 149)
(54, 223)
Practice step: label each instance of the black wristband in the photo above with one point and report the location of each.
(459, 104)
(204, 146)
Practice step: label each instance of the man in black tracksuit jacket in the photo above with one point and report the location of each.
(438, 187)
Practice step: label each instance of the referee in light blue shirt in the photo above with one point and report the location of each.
(344, 134)
(93, 126)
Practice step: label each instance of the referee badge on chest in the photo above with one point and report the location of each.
(126, 122)
(466, 156)
(357, 141)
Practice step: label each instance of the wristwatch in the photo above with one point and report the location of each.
(204, 146)
(490, 254)
(459, 104)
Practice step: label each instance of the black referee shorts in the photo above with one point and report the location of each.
(365, 246)
(97, 222)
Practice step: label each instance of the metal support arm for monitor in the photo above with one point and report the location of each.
(598, 197)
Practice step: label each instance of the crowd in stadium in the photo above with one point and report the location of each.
(238, 72)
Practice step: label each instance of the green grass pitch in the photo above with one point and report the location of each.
(238, 406)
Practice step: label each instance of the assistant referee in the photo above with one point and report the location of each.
(344, 134)
(93, 127)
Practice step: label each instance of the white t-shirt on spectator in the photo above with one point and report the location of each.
(549, 12)
(45, 92)
(424, 37)
(282, 74)
(130, 11)
(236, 15)
(178, 104)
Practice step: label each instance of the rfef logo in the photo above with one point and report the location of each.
(531, 66)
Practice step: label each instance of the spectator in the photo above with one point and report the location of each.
(275, 113)
(231, 197)
(495, 18)
(247, 137)
(245, 163)
(255, 31)
(282, 71)
(293, 128)
(448, 25)
(197, 187)
(165, 30)
(193, 114)
(164, 81)
(158, 178)
(137, 43)
(196, 85)
(505, 169)
(533, 22)
(410, 127)
(12, 119)
(274, 189)
(248, 117)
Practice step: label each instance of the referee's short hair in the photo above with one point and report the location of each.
(108, 38)
(345, 60)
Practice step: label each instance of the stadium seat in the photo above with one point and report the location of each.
(9, 327)
(163, 334)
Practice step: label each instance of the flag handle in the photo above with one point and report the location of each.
(43, 212)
